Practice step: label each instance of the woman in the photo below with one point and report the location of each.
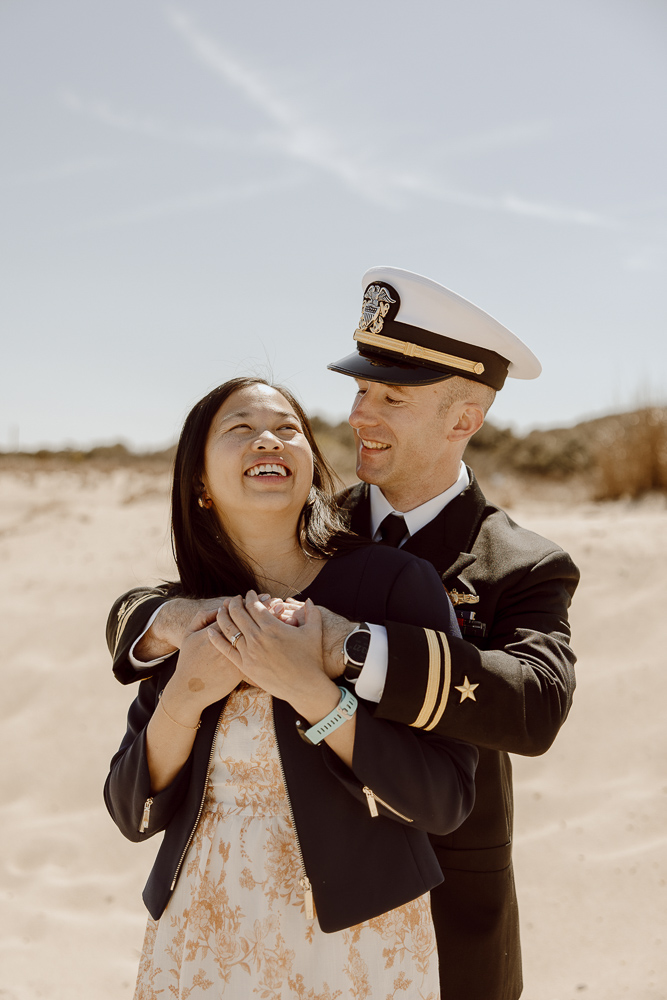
(290, 866)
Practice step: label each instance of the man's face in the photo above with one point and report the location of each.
(402, 444)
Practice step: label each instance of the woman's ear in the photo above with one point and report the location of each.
(469, 419)
(203, 498)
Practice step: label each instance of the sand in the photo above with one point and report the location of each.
(591, 815)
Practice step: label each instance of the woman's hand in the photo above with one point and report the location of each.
(202, 677)
(334, 630)
(283, 660)
(280, 659)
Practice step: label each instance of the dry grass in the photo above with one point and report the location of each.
(631, 457)
(623, 455)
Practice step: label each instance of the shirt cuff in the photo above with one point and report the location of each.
(371, 680)
(141, 664)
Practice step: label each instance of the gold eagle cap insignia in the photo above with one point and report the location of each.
(374, 308)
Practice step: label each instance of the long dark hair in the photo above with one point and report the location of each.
(208, 563)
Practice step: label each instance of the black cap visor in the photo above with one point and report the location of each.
(379, 368)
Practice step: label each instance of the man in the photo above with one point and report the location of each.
(427, 367)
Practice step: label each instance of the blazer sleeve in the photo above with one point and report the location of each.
(126, 622)
(415, 777)
(128, 785)
(515, 693)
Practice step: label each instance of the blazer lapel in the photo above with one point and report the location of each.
(446, 541)
(356, 499)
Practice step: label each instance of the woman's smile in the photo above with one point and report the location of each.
(273, 471)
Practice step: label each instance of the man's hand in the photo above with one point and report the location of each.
(174, 622)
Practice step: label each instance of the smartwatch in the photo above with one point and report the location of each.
(355, 651)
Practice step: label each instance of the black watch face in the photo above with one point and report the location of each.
(356, 647)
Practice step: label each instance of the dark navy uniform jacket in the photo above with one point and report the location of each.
(508, 691)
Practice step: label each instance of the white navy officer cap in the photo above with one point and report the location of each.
(414, 331)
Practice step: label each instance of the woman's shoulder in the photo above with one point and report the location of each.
(383, 567)
(379, 583)
(381, 557)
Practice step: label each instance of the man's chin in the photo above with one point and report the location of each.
(368, 474)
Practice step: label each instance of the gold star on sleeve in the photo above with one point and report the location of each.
(467, 690)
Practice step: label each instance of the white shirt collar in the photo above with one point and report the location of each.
(420, 516)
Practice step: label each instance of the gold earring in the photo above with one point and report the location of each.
(204, 500)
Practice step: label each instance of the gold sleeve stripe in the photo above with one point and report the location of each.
(124, 613)
(433, 683)
(447, 680)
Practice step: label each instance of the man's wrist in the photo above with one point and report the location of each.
(336, 632)
(171, 625)
(155, 643)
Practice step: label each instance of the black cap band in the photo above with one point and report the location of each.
(444, 356)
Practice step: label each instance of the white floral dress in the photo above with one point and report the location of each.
(236, 924)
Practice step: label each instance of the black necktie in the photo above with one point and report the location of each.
(393, 530)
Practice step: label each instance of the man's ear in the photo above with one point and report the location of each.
(468, 421)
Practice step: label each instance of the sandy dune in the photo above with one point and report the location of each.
(591, 824)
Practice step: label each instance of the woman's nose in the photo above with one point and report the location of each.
(267, 441)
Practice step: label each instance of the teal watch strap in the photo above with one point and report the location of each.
(343, 711)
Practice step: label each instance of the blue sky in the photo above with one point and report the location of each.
(191, 192)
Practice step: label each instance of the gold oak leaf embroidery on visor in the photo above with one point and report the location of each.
(467, 690)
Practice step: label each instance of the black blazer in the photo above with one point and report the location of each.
(523, 667)
(425, 778)
(520, 680)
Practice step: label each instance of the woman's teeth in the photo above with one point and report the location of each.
(267, 470)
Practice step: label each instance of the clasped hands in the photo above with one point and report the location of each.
(292, 663)
(263, 644)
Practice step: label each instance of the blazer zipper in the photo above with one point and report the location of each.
(201, 806)
(304, 881)
(372, 799)
(143, 826)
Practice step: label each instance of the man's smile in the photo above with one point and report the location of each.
(376, 445)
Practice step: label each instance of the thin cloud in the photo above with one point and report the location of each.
(651, 259)
(510, 204)
(293, 136)
(211, 54)
(558, 213)
(63, 171)
(504, 137)
(148, 127)
(316, 147)
(196, 202)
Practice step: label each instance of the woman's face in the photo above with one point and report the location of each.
(257, 457)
